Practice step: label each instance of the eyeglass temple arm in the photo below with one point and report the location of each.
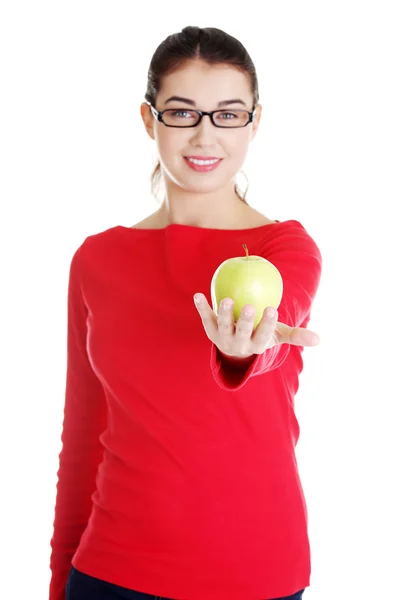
(154, 110)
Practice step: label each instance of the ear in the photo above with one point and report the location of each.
(148, 119)
(256, 121)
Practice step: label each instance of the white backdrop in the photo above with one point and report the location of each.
(75, 160)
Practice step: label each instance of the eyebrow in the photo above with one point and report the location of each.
(193, 103)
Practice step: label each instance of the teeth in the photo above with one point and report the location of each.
(203, 162)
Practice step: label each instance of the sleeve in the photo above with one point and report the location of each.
(85, 418)
(299, 261)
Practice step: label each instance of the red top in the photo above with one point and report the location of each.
(178, 475)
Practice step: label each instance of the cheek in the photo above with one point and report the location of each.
(236, 150)
(169, 144)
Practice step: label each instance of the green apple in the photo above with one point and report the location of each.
(247, 280)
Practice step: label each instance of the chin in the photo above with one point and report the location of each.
(203, 189)
(205, 183)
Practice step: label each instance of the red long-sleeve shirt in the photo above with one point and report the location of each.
(178, 475)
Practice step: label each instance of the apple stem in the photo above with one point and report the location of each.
(247, 252)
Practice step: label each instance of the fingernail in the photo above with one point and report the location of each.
(270, 312)
(197, 299)
(227, 306)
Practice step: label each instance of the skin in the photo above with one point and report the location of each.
(208, 200)
(237, 342)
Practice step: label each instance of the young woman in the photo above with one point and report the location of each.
(178, 476)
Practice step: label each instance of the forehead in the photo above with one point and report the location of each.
(206, 84)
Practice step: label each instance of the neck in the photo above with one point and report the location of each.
(221, 210)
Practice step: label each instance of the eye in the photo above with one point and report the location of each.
(182, 114)
(232, 118)
(225, 115)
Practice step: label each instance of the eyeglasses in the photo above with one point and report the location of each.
(183, 117)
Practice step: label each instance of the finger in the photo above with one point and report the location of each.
(207, 316)
(245, 323)
(226, 323)
(264, 336)
(296, 336)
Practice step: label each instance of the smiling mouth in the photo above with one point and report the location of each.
(203, 161)
(202, 165)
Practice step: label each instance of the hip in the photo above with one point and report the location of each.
(85, 587)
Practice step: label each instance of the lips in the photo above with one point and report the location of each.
(203, 168)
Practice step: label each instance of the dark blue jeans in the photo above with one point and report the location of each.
(84, 587)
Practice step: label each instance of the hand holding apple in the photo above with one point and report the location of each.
(247, 280)
(235, 331)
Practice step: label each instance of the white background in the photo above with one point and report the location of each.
(75, 160)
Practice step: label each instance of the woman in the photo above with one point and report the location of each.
(178, 476)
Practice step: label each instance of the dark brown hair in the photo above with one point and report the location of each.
(209, 44)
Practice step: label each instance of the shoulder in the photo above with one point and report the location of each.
(151, 222)
(292, 243)
(93, 247)
(252, 218)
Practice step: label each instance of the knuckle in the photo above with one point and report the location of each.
(210, 337)
(243, 352)
(224, 327)
(206, 321)
(225, 347)
(264, 335)
(243, 328)
(259, 348)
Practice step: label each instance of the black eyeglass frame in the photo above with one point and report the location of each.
(158, 114)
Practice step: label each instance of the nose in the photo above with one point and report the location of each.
(205, 132)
